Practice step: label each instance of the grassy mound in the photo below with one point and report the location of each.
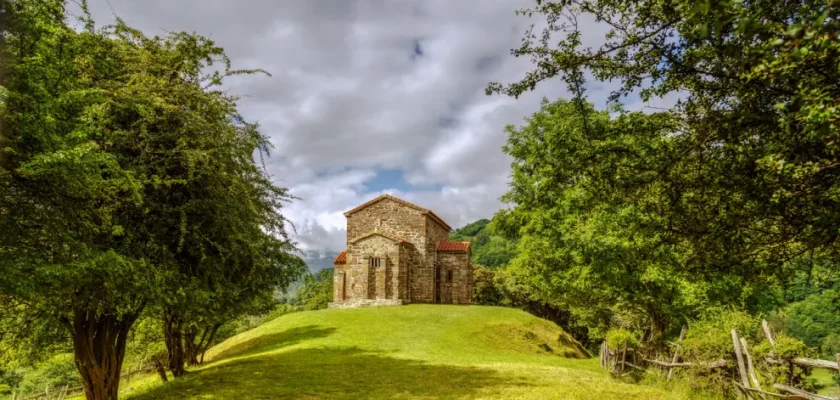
(417, 351)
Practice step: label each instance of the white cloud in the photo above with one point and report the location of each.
(349, 96)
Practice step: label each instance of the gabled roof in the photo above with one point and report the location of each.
(341, 258)
(403, 202)
(453, 247)
(380, 233)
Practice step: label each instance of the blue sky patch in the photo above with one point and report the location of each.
(388, 179)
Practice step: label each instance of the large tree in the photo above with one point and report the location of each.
(109, 133)
(749, 181)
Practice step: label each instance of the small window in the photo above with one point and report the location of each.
(375, 262)
(449, 276)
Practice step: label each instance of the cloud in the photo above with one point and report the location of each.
(369, 97)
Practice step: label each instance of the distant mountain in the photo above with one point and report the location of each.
(318, 260)
(488, 248)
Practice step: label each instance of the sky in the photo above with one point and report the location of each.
(371, 96)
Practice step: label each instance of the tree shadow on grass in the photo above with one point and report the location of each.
(330, 373)
(275, 341)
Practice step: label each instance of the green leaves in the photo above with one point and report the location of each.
(719, 203)
(127, 183)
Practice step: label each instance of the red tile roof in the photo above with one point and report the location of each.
(403, 202)
(453, 247)
(341, 259)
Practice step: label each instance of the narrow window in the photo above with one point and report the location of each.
(449, 276)
(375, 262)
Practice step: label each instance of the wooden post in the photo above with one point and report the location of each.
(623, 356)
(753, 376)
(601, 355)
(677, 351)
(742, 370)
(768, 333)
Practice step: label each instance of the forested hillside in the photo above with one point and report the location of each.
(488, 248)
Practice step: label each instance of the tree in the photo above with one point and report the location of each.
(742, 184)
(488, 247)
(105, 129)
(588, 219)
(317, 290)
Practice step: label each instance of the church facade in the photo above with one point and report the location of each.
(399, 253)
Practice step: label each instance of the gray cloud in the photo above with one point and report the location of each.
(359, 86)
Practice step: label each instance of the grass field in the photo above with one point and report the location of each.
(411, 352)
(825, 379)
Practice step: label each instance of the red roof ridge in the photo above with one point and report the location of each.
(401, 201)
(380, 233)
(453, 247)
(341, 258)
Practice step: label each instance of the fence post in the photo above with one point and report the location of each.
(676, 351)
(623, 356)
(753, 376)
(768, 333)
(742, 371)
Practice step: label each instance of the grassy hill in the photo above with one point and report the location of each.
(417, 351)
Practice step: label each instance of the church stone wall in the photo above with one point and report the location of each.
(390, 217)
(459, 289)
(371, 283)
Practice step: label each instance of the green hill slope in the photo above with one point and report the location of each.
(417, 351)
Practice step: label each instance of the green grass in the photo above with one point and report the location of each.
(410, 352)
(825, 379)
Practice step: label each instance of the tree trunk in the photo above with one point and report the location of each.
(173, 337)
(205, 345)
(191, 347)
(161, 370)
(658, 324)
(99, 348)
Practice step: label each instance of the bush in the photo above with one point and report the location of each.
(830, 346)
(317, 290)
(57, 372)
(787, 348)
(485, 291)
(618, 338)
(813, 320)
(710, 339)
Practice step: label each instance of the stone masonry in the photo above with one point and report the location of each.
(398, 253)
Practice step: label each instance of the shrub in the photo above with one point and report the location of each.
(57, 372)
(485, 290)
(710, 339)
(317, 290)
(787, 348)
(617, 338)
(830, 346)
(814, 319)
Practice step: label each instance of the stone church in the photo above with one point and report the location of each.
(399, 253)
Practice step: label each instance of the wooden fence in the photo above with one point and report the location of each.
(748, 383)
